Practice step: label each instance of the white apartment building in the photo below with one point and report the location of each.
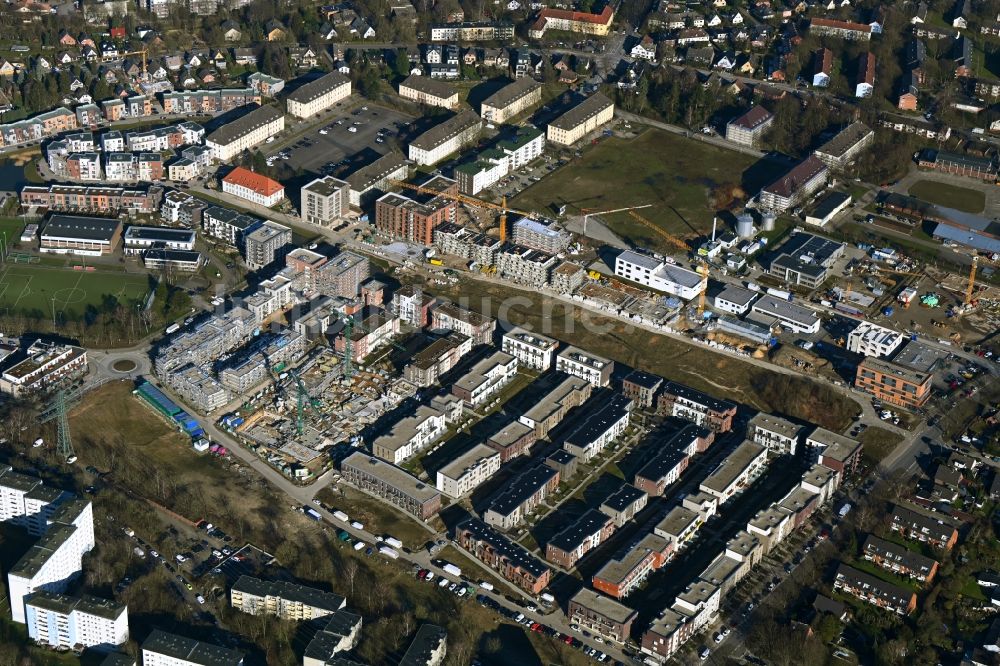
(66, 623)
(485, 379)
(531, 350)
(527, 144)
(736, 472)
(254, 187)
(428, 91)
(163, 649)
(873, 340)
(445, 138)
(511, 100)
(735, 300)
(780, 436)
(464, 474)
(244, 133)
(411, 434)
(474, 177)
(57, 556)
(288, 601)
(319, 95)
(46, 365)
(589, 367)
(581, 120)
(88, 166)
(325, 201)
(659, 275)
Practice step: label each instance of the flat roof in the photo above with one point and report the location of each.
(584, 357)
(531, 338)
(623, 498)
(776, 424)
(733, 466)
(289, 592)
(165, 234)
(678, 520)
(783, 310)
(919, 356)
(604, 605)
(195, 652)
(597, 422)
(837, 446)
(461, 463)
(517, 491)
(699, 397)
(738, 295)
(392, 475)
(645, 380)
(83, 228)
(64, 604)
(503, 546)
(829, 203)
(325, 186)
(510, 433)
(903, 372)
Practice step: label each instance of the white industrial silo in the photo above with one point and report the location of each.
(744, 225)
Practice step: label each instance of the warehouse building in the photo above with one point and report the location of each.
(584, 118)
(391, 484)
(428, 91)
(311, 98)
(827, 208)
(511, 100)
(445, 138)
(87, 236)
(244, 133)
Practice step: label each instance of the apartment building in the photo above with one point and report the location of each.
(284, 600)
(428, 648)
(893, 383)
(673, 453)
(563, 462)
(449, 316)
(521, 496)
(523, 265)
(266, 244)
(400, 217)
(412, 306)
(548, 238)
(572, 21)
(445, 138)
(875, 590)
(548, 412)
(601, 614)
(624, 573)
(585, 534)
(459, 241)
(595, 370)
(586, 117)
(771, 526)
(734, 300)
(736, 472)
(227, 224)
(679, 527)
(623, 504)
(163, 649)
(69, 623)
(604, 423)
(45, 366)
(663, 276)
(429, 364)
(341, 633)
(253, 187)
(846, 145)
(749, 128)
(842, 29)
(410, 434)
(316, 96)
(865, 80)
(821, 480)
(510, 560)
(343, 274)
(898, 559)
(488, 168)
(511, 100)
(93, 199)
(795, 186)
(485, 379)
(267, 86)
(209, 102)
(873, 340)
(918, 524)
(391, 484)
(525, 145)
(779, 436)
(532, 350)
(244, 133)
(467, 471)
(376, 177)
(700, 408)
(641, 387)
(138, 238)
(428, 91)
(471, 31)
(325, 201)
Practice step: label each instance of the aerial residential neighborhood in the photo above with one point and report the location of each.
(485, 334)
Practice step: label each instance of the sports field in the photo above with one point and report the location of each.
(26, 287)
(687, 181)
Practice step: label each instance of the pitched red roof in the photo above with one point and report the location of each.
(842, 25)
(254, 181)
(604, 18)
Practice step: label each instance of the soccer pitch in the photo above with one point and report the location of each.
(29, 287)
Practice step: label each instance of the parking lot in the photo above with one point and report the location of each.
(347, 141)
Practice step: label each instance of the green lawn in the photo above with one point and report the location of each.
(877, 443)
(942, 194)
(29, 287)
(686, 181)
(11, 228)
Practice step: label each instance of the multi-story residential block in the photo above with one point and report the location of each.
(411, 434)
(228, 225)
(548, 412)
(875, 590)
(69, 623)
(572, 21)
(287, 601)
(440, 356)
(523, 265)
(586, 533)
(594, 369)
(521, 496)
(265, 244)
(374, 329)
(918, 524)
(367, 181)
(601, 614)
(894, 383)
(511, 100)
(244, 133)
(660, 275)
(266, 85)
(428, 91)
(401, 217)
(865, 80)
(623, 574)
(485, 379)
(735, 474)
(532, 350)
(253, 187)
(137, 239)
(525, 145)
(779, 436)
(325, 201)
(99, 199)
(466, 472)
(771, 526)
(641, 387)
(843, 29)
(452, 317)
(429, 647)
(796, 186)
(679, 527)
(668, 463)
(898, 559)
(412, 306)
(563, 462)
(445, 138)
(749, 128)
(471, 31)
(584, 118)
(478, 248)
(838, 452)
(845, 147)
(548, 238)
(340, 634)
(873, 340)
(623, 504)
(311, 98)
(602, 425)
(391, 484)
(512, 561)
(45, 366)
(821, 480)
(691, 405)
(87, 166)
(163, 649)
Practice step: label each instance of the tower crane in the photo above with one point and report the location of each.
(142, 52)
(681, 245)
(972, 281)
(588, 212)
(469, 201)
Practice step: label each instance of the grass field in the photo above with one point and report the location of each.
(687, 182)
(943, 194)
(26, 287)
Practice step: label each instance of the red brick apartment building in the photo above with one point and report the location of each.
(919, 524)
(588, 532)
(893, 383)
(498, 552)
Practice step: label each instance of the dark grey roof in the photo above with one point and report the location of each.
(196, 652)
(313, 90)
(83, 228)
(233, 130)
(428, 638)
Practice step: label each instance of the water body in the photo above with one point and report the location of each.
(11, 176)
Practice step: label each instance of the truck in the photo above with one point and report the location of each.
(392, 541)
(452, 569)
(779, 293)
(388, 552)
(340, 515)
(312, 513)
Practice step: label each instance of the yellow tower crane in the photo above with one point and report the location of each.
(469, 201)
(681, 245)
(972, 281)
(144, 53)
(591, 212)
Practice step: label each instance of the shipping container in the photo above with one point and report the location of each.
(779, 293)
